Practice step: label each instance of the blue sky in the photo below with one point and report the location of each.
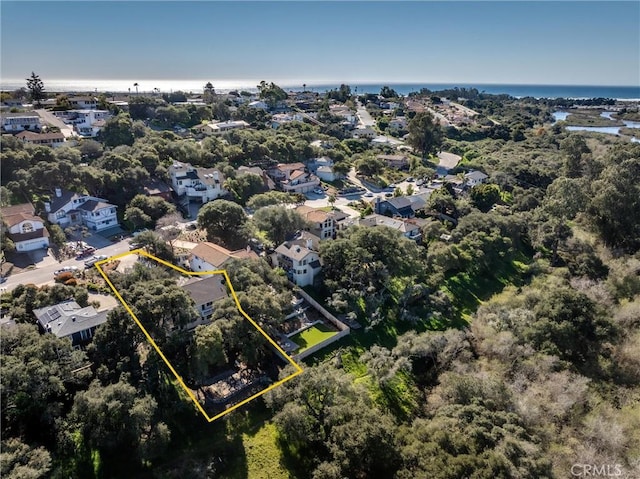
(481, 42)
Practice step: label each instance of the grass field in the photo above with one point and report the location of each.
(312, 336)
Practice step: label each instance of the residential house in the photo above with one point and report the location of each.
(68, 208)
(323, 168)
(400, 206)
(220, 127)
(15, 122)
(321, 223)
(281, 118)
(156, 187)
(341, 220)
(87, 123)
(300, 262)
(25, 229)
(53, 140)
(293, 178)
(398, 162)
(83, 102)
(364, 132)
(408, 229)
(211, 257)
(200, 184)
(398, 123)
(256, 170)
(205, 293)
(474, 178)
(69, 320)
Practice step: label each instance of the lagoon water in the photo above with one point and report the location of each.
(610, 130)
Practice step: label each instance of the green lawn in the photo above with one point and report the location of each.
(312, 336)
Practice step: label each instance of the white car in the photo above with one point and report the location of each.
(318, 191)
(93, 260)
(66, 269)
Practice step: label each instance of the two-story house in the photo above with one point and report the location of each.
(218, 128)
(15, 122)
(24, 228)
(69, 320)
(321, 223)
(293, 178)
(196, 184)
(205, 293)
(474, 178)
(300, 262)
(83, 102)
(68, 208)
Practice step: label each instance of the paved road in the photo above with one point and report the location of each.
(44, 275)
(53, 120)
(364, 116)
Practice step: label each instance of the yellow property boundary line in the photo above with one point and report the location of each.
(153, 343)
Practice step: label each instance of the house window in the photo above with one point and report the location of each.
(27, 227)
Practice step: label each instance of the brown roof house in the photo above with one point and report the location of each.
(211, 257)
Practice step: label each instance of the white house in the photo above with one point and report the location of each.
(365, 132)
(293, 178)
(220, 127)
(69, 208)
(53, 140)
(201, 184)
(87, 123)
(399, 123)
(299, 261)
(210, 257)
(24, 228)
(205, 293)
(83, 102)
(475, 177)
(281, 118)
(15, 122)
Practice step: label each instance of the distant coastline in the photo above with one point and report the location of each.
(223, 86)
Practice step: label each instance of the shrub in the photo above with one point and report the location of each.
(71, 282)
(64, 277)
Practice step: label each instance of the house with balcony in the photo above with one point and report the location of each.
(196, 184)
(299, 261)
(24, 228)
(407, 228)
(86, 123)
(208, 256)
(68, 208)
(70, 320)
(16, 122)
(293, 178)
(321, 223)
(205, 293)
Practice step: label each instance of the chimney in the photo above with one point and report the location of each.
(309, 244)
(47, 207)
(58, 192)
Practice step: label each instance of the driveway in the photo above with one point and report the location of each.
(364, 116)
(448, 161)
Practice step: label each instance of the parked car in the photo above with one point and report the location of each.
(411, 179)
(318, 191)
(419, 183)
(368, 194)
(93, 260)
(66, 269)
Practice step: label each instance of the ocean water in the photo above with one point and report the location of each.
(223, 86)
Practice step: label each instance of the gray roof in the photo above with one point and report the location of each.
(476, 175)
(399, 202)
(59, 202)
(205, 290)
(292, 250)
(93, 205)
(65, 319)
